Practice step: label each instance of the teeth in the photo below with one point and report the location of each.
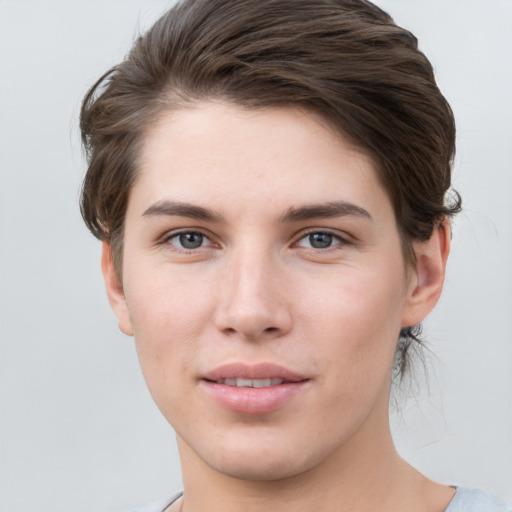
(251, 383)
(261, 383)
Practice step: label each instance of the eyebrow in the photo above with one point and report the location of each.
(170, 208)
(325, 211)
(167, 207)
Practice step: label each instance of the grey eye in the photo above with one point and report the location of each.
(320, 240)
(189, 240)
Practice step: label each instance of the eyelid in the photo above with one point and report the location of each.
(343, 238)
(169, 235)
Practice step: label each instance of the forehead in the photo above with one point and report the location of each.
(222, 154)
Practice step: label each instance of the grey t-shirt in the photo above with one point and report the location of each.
(465, 500)
(474, 500)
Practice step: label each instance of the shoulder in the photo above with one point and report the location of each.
(158, 506)
(474, 500)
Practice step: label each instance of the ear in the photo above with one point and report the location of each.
(115, 290)
(426, 282)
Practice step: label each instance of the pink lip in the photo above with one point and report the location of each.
(256, 371)
(252, 400)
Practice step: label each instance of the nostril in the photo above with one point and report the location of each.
(252, 333)
(252, 320)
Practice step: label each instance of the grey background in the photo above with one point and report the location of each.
(78, 430)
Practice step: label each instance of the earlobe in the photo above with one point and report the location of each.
(115, 290)
(427, 281)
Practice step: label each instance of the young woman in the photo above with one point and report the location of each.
(271, 183)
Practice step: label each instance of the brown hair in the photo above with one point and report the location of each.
(345, 59)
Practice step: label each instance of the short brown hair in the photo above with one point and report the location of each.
(344, 59)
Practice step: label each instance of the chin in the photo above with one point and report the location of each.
(273, 468)
(260, 456)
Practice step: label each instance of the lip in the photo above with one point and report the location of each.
(248, 400)
(254, 371)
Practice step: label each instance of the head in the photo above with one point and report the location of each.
(344, 63)
(348, 62)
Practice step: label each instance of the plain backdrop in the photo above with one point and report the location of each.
(78, 429)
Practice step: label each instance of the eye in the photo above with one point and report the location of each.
(189, 240)
(319, 240)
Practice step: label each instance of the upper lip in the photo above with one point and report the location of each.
(253, 371)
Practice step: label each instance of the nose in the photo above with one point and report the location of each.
(252, 300)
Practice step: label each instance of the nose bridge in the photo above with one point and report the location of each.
(252, 270)
(251, 303)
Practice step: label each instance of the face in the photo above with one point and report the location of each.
(265, 286)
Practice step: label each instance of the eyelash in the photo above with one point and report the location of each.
(176, 234)
(336, 241)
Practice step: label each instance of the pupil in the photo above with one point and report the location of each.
(191, 240)
(320, 240)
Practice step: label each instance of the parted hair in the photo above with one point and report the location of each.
(346, 60)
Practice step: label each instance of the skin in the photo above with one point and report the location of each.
(258, 289)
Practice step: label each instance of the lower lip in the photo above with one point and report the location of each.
(252, 400)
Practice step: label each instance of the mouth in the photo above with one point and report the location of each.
(253, 375)
(241, 382)
(253, 389)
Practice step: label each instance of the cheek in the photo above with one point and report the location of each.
(358, 322)
(168, 318)
(168, 314)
